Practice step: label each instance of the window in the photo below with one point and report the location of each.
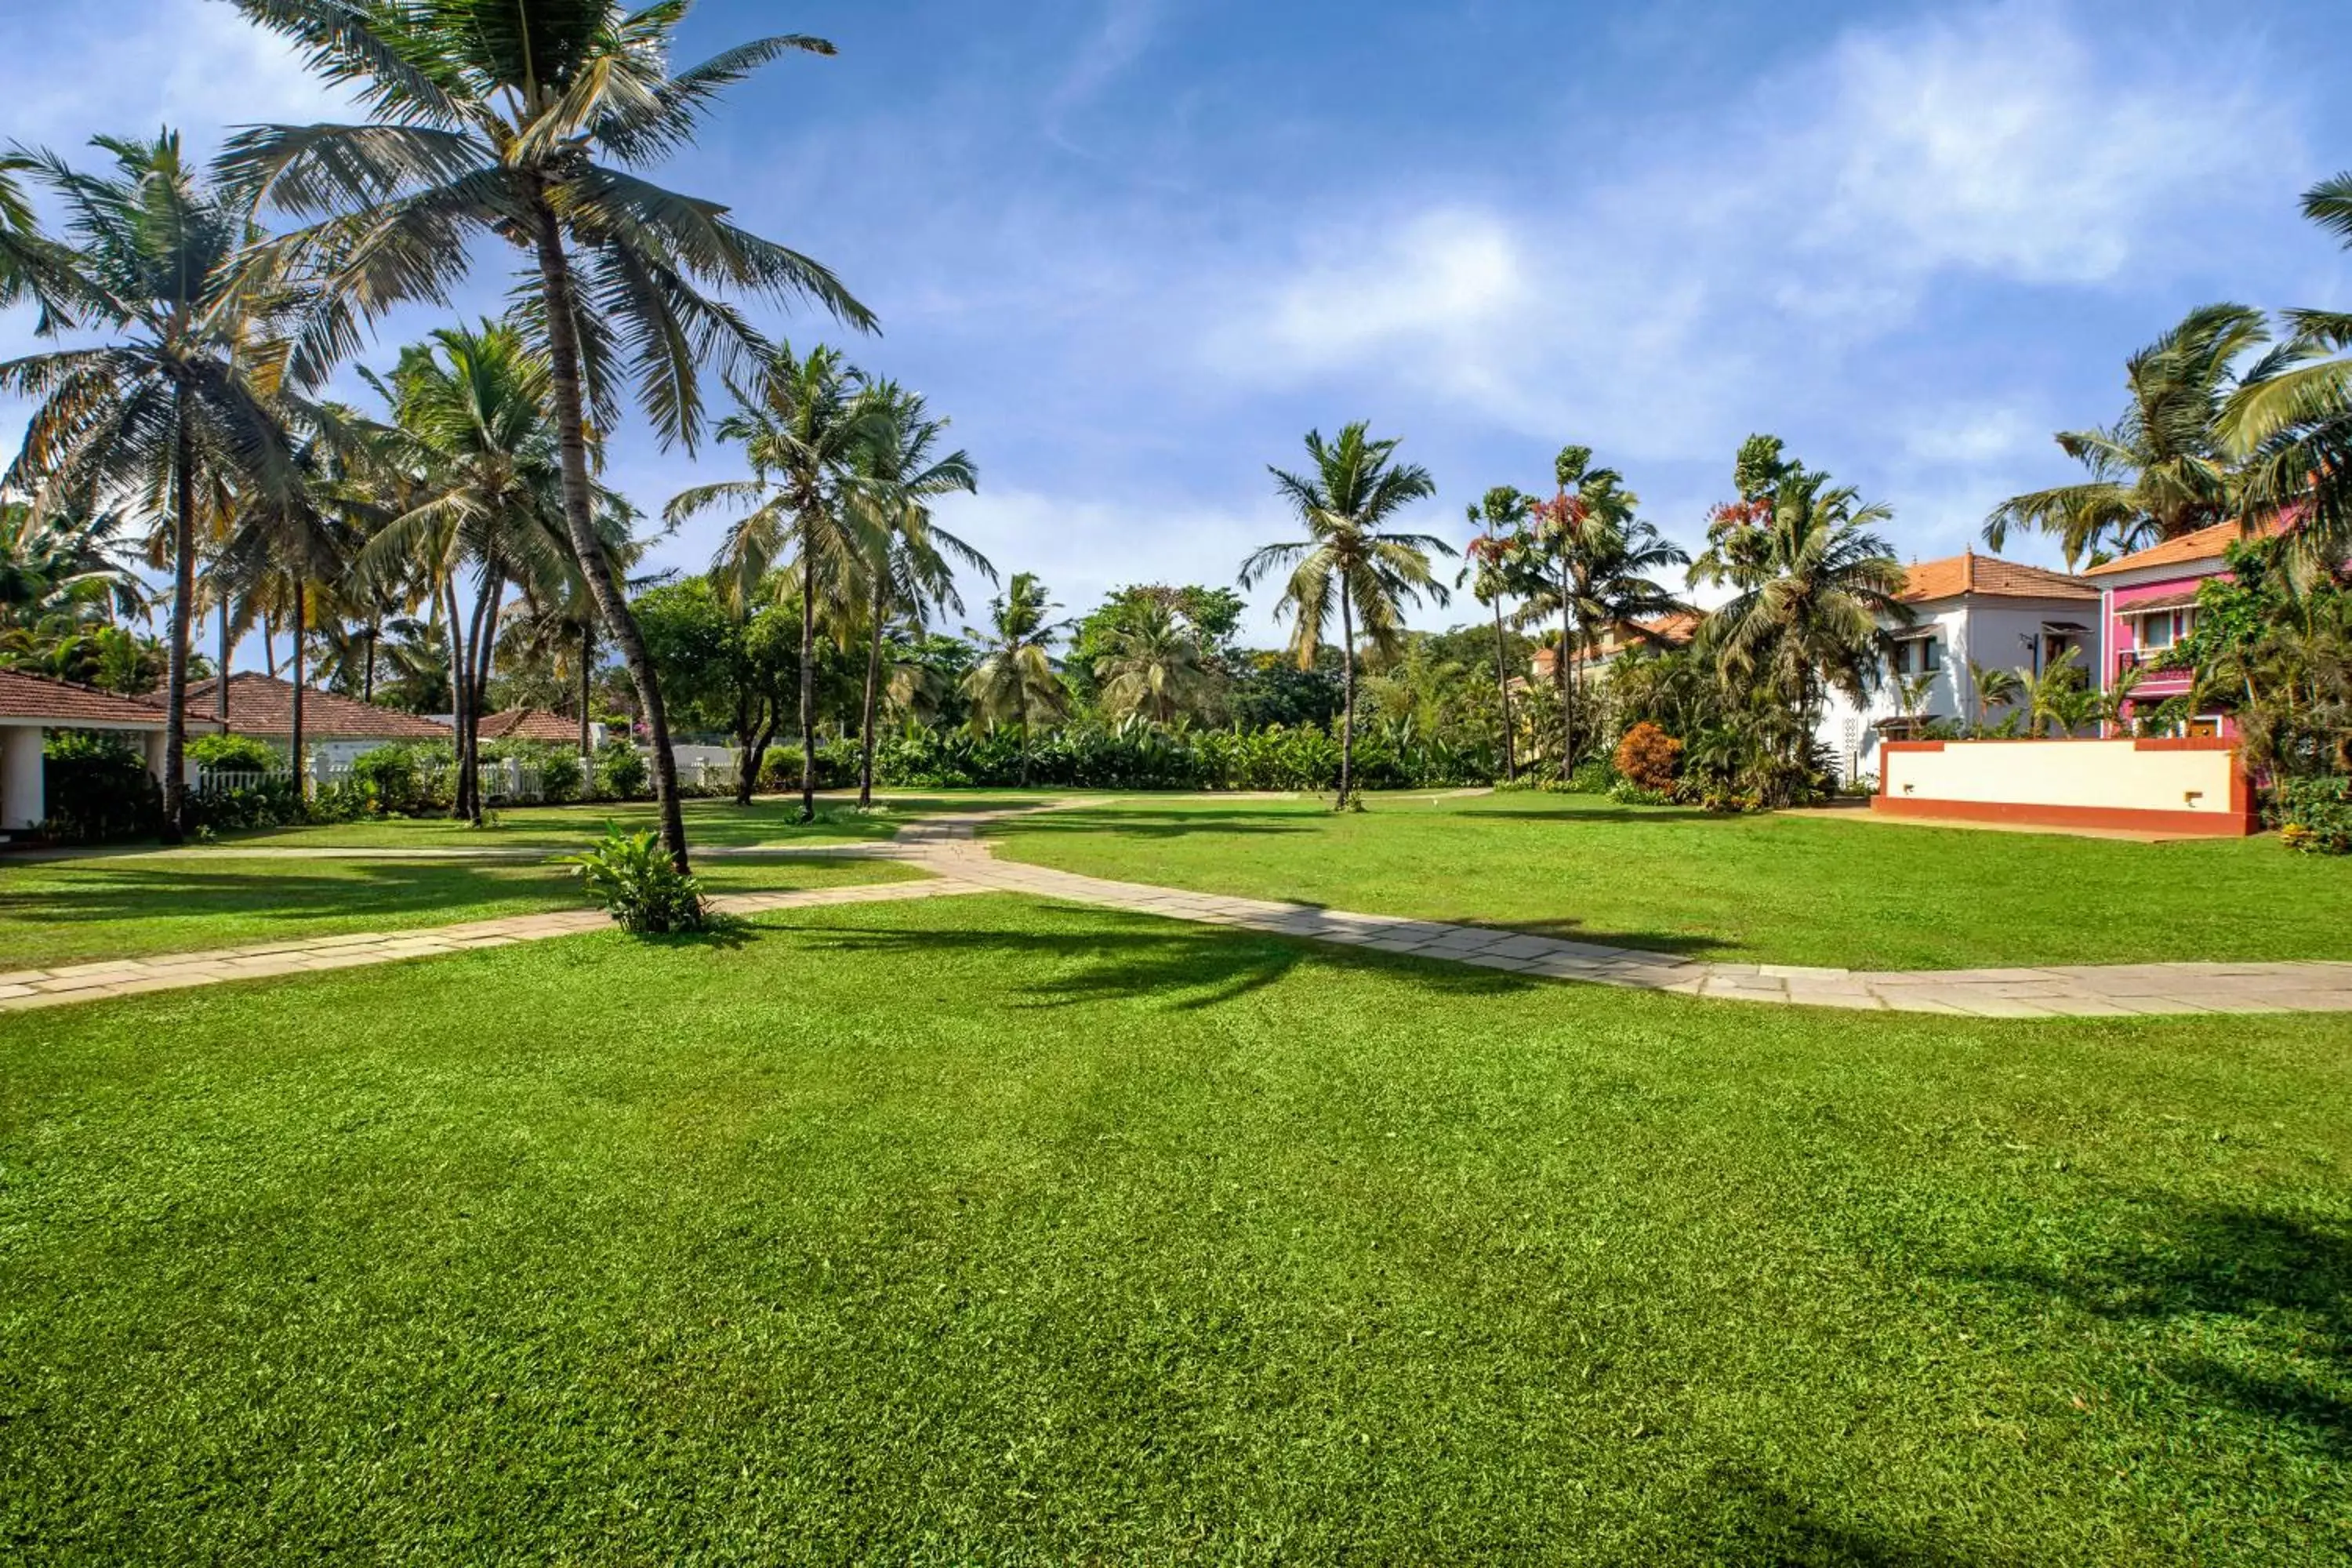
(1918, 656)
(2162, 628)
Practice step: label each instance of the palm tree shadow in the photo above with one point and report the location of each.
(2283, 1284)
(1190, 968)
(1736, 1516)
(1155, 824)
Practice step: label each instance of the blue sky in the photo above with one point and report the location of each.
(1136, 248)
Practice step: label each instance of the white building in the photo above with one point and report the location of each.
(1967, 609)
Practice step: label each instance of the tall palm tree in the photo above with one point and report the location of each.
(1150, 663)
(1349, 562)
(2290, 420)
(1814, 587)
(472, 456)
(801, 424)
(1596, 557)
(1016, 679)
(1496, 561)
(2163, 468)
(520, 119)
(32, 266)
(910, 568)
(190, 388)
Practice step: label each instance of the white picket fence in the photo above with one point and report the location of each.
(507, 779)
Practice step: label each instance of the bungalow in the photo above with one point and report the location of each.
(2147, 601)
(335, 729)
(535, 724)
(33, 705)
(1965, 609)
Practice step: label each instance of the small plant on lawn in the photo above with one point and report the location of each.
(630, 875)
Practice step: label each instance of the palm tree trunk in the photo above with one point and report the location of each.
(865, 715)
(367, 674)
(587, 653)
(457, 641)
(1021, 716)
(563, 354)
(1563, 673)
(747, 751)
(269, 643)
(220, 676)
(1347, 696)
(183, 595)
(808, 667)
(1503, 691)
(294, 741)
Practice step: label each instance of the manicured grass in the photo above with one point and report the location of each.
(989, 1231)
(73, 911)
(769, 819)
(1858, 894)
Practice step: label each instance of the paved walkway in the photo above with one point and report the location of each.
(949, 848)
(134, 976)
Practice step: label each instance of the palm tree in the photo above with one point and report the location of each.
(1992, 687)
(1150, 664)
(189, 391)
(1015, 678)
(2056, 695)
(1596, 557)
(2290, 420)
(2163, 469)
(908, 573)
(472, 459)
(519, 119)
(801, 424)
(1349, 562)
(1814, 587)
(32, 266)
(1495, 561)
(64, 562)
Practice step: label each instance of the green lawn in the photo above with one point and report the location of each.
(1787, 889)
(769, 819)
(988, 1231)
(73, 911)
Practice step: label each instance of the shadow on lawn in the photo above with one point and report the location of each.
(1160, 824)
(1739, 1517)
(1604, 814)
(2280, 1287)
(178, 890)
(1194, 968)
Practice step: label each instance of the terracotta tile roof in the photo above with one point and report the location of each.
(531, 724)
(24, 695)
(2204, 545)
(1969, 573)
(263, 705)
(1674, 630)
(2179, 600)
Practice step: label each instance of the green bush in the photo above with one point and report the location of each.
(633, 878)
(2315, 815)
(400, 780)
(560, 777)
(620, 771)
(235, 754)
(98, 789)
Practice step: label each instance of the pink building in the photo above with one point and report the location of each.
(2149, 602)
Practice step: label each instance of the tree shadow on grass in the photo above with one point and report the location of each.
(2280, 1287)
(1572, 817)
(1567, 927)
(1735, 1516)
(1159, 824)
(1191, 967)
(176, 889)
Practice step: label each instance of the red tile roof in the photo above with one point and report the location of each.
(263, 705)
(65, 705)
(1969, 573)
(1674, 630)
(2188, 548)
(531, 724)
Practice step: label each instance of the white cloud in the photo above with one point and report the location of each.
(1962, 437)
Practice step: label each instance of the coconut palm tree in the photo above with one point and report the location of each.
(801, 423)
(32, 266)
(1813, 588)
(1015, 681)
(910, 568)
(2059, 694)
(472, 458)
(522, 118)
(1150, 664)
(1350, 563)
(2164, 468)
(188, 391)
(1992, 687)
(65, 561)
(1593, 560)
(1494, 562)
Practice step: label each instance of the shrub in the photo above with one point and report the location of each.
(98, 790)
(1591, 776)
(620, 771)
(560, 777)
(632, 876)
(274, 802)
(388, 782)
(1648, 758)
(1625, 792)
(235, 754)
(2315, 815)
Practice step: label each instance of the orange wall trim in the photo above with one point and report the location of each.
(2234, 824)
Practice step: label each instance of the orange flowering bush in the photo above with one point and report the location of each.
(1649, 757)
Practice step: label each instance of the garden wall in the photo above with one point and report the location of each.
(2196, 785)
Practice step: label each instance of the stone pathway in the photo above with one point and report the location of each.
(949, 848)
(133, 977)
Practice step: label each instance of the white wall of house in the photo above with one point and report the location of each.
(23, 796)
(1998, 633)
